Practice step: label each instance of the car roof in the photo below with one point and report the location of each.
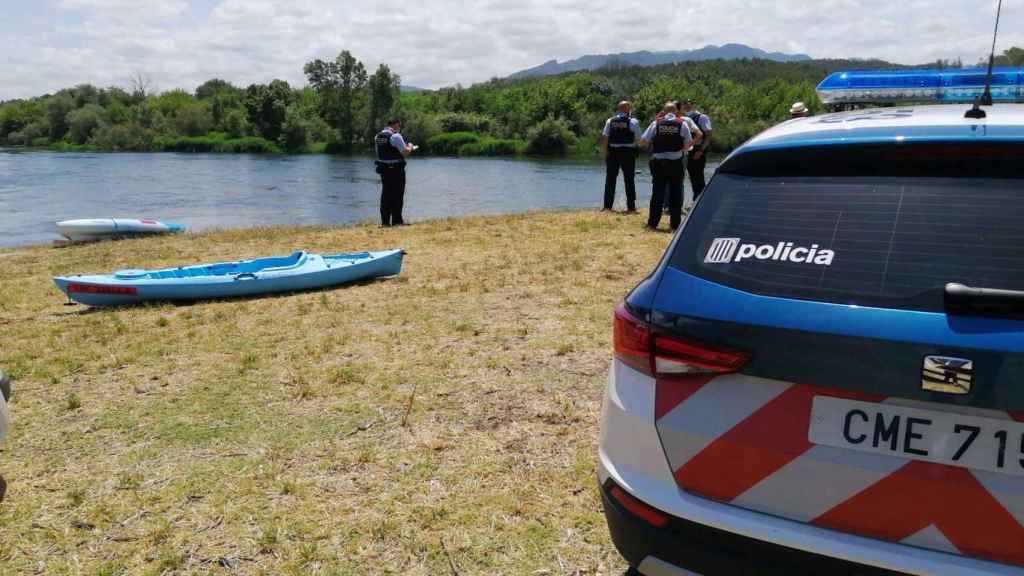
(928, 123)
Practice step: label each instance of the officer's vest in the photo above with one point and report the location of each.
(669, 136)
(620, 130)
(695, 116)
(385, 151)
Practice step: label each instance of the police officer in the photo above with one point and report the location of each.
(697, 159)
(669, 138)
(392, 151)
(618, 141)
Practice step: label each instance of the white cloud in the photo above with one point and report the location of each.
(434, 43)
(128, 9)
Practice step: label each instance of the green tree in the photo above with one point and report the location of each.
(129, 136)
(294, 130)
(57, 109)
(115, 96)
(318, 129)
(213, 87)
(383, 88)
(465, 122)
(1010, 57)
(340, 85)
(117, 112)
(85, 94)
(192, 119)
(16, 115)
(550, 137)
(83, 122)
(29, 134)
(236, 123)
(266, 105)
(417, 125)
(221, 96)
(168, 103)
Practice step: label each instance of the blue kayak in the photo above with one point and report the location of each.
(300, 271)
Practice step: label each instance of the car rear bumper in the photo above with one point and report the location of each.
(705, 550)
(715, 538)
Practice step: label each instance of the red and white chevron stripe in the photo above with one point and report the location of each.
(744, 441)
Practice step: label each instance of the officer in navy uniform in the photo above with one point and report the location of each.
(698, 159)
(668, 137)
(618, 140)
(392, 151)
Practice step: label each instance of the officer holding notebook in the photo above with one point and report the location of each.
(392, 150)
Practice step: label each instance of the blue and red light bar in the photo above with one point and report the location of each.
(942, 86)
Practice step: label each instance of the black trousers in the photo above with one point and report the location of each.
(392, 193)
(668, 185)
(624, 159)
(696, 170)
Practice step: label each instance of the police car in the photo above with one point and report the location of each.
(825, 373)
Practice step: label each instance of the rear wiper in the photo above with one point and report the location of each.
(960, 298)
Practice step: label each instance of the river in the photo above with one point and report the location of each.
(204, 191)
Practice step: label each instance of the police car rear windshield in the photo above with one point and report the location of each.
(873, 225)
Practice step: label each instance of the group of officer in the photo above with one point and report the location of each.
(679, 134)
(678, 139)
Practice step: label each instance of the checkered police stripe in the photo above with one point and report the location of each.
(744, 441)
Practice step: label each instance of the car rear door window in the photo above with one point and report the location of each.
(869, 230)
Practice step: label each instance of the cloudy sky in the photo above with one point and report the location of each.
(50, 44)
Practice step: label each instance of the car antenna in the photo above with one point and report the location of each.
(986, 97)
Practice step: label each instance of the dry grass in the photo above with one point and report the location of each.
(441, 422)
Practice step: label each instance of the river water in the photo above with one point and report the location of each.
(204, 191)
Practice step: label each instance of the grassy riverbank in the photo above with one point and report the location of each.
(441, 422)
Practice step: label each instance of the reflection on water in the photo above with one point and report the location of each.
(235, 190)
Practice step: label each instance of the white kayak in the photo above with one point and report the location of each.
(93, 229)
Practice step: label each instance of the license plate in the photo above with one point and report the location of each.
(933, 436)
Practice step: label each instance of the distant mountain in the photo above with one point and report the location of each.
(646, 58)
(405, 88)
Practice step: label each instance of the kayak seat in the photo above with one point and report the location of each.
(294, 260)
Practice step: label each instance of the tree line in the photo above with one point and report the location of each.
(343, 105)
(337, 111)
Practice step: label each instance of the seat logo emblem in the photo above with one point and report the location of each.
(947, 375)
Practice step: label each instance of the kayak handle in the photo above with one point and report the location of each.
(246, 276)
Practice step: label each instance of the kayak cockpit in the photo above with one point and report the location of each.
(281, 263)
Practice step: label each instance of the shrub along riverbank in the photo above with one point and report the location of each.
(448, 417)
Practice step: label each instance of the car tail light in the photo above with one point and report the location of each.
(652, 516)
(660, 355)
(632, 338)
